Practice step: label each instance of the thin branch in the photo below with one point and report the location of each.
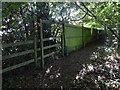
(103, 23)
(83, 9)
(79, 18)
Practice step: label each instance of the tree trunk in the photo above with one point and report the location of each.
(118, 28)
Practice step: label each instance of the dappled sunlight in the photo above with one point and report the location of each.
(51, 76)
(48, 70)
(44, 45)
(113, 83)
(103, 72)
(54, 76)
(51, 73)
(57, 75)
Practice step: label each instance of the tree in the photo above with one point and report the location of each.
(105, 14)
(20, 21)
(113, 15)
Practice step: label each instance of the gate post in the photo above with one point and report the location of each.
(35, 41)
(41, 45)
(63, 40)
(83, 43)
(62, 45)
(35, 50)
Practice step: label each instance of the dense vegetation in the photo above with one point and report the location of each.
(21, 21)
(24, 15)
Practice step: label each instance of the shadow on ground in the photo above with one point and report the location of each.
(58, 74)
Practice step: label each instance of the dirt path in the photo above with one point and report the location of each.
(58, 74)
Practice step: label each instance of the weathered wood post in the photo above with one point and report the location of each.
(41, 45)
(63, 40)
(62, 45)
(35, 41)
(35, 50)
(83, 43)
(106, 34)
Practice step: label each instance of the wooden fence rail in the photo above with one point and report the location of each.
(17, 43)
(18, 54)
(39, 60)
(17, 66)
(28, 52)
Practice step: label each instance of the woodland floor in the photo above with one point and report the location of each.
(57, 74)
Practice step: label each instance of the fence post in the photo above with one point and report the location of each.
(41, 44)
(63, 38)
(83, 43)
(35, 50)
(35, 42)
(62, 45)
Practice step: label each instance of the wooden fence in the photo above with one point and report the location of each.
(29, 51)
(67, 38)
(38, 60)
(77, 37)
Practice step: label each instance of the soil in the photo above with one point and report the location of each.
(58, 73)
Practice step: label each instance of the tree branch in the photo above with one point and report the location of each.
(83, 9)
(103, 23)
(79, 18)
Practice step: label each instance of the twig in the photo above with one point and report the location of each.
(103, 23)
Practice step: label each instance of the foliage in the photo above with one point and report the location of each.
(103, 72)
(23, 17)
(69, 12)
(106, 11)
(20, 20)
(66, 12)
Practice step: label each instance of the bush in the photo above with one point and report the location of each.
(102, 73)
